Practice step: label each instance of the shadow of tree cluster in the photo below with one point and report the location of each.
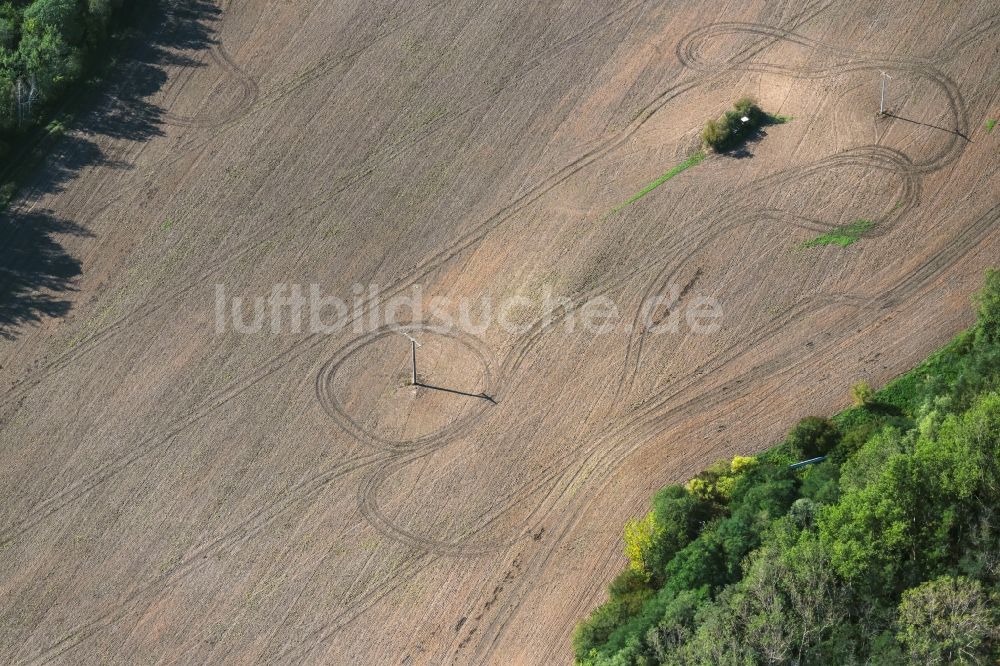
(34, 269)
(168, 37)
(36, 272)
(743, 149)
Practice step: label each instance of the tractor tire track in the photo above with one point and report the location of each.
(327, 398)
(510, 366)
(654, 415)
(259, 519)
(263, 233)
(247, 92)
(887, 160)
(468, 240)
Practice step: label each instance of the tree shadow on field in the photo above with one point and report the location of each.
(171, 35)
(35, 269)
(742, 150)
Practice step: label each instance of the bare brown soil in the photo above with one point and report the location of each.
(175, 494)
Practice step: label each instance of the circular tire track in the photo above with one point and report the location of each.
(967, 240)
(247, 93)
(944, 258)
(367, 501)
(327, 397)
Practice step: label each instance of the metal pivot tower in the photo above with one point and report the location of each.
(413, 362)
(413, 359)
(881, 104)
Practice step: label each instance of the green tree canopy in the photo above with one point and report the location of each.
(948, 620)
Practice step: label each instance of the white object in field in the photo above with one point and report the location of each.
(413, 358)
(881, 104)
(745, 119)
(413, 364)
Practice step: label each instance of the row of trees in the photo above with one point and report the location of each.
(887, 552)
(44, 47)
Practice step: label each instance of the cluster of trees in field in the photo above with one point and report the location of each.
(887, 552)
(45, 46)
(730, 129)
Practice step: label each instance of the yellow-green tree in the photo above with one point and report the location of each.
(640, 537)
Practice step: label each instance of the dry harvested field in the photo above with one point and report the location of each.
(172, 492)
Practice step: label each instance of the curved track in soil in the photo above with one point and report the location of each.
(508, 496)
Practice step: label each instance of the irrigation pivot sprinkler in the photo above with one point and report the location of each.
(881, 104)
(413, 359)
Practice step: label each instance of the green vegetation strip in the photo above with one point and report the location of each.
(683, 166)
(728, 130)
(843, 236)
(990, 124)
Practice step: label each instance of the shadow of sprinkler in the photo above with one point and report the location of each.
(416, 383)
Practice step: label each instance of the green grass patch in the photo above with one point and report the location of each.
(990, 124)
(683, 166)
(842, 236)
(56, 127)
